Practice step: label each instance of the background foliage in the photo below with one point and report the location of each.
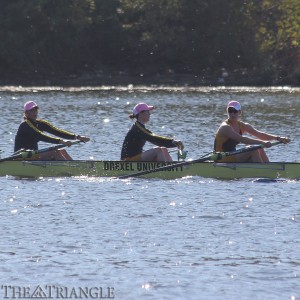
(257, 39)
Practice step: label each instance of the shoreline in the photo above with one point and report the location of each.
(153, 88)
(122, 79)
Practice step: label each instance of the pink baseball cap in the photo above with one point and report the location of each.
(140, 107)
(30, 105)
(236, 105)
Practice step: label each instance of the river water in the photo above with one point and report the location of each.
(191, 238)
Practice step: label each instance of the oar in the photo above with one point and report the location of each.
(213, 157)
(29, 153)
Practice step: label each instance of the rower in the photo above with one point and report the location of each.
(32, 129)
(230, 134)
(138, 135)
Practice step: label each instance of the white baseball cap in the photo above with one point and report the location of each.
(140, 107)
(236, 105)
(30, 105)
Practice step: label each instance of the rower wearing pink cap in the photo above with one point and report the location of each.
(230, 134)
(138, 135)
(32, 129)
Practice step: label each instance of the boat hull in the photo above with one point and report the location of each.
(119, 168)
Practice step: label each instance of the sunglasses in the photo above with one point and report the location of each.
(232, 110)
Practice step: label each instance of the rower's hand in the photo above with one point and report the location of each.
(283, 140)
(179, 144)
(82, 138)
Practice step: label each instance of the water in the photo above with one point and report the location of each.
(191, 238)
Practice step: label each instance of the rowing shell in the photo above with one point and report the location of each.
(92, 168)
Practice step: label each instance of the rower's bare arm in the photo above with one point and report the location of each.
(230, 133)
(265, 136)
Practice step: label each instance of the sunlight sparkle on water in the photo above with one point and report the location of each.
(97, 229)
(173, 203)
(146, 286)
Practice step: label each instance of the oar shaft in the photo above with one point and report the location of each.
(221, 155)
(213, 157)
(27, 154)
(11, 157)
(30, 153)
(55, 147)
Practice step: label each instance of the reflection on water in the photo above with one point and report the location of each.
(191, 238)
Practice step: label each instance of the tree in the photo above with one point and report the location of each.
(43, 37)
(278, 33)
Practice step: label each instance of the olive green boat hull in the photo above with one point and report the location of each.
(120, 168)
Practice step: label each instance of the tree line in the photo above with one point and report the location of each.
(258, 39)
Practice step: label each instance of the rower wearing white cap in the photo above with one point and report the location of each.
(138, 135)
(230, 134)
(31, 131)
